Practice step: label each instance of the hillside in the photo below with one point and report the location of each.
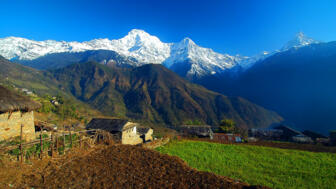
(41, 83)
(60, 60)
(26, 77)
(299, 84)
(154, 93)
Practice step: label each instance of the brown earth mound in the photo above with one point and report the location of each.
(124, 166)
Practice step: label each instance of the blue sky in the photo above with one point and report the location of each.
(246, 27)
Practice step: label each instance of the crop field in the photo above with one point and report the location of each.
(257, 165)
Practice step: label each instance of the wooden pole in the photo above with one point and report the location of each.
(21, 149)
(56, 144)
(80, 140)
(52, 144)
(63, 143)
(97, 133)
(70, 138)
(41, 146)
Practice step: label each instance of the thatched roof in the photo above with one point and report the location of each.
(111, 125)
(11, 101)
(142, 130)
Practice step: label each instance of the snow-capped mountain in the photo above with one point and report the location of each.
(145, 48)
(300, 40)
(203, 60)
(137, 44)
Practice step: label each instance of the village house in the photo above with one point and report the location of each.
(290, 134)
(280, 133)
(123, 131)
(316, 137)
(201, 131)
(265, 134)
(16, 111)
(227, 137)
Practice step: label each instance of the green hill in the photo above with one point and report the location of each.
(156, 94)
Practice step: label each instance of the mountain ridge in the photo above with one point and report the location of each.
(145, 49)
(152, 92)
(297, 83)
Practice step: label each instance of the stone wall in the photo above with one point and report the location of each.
(10, 125)
(130, 136)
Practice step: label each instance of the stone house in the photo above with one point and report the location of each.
(201, 131)
(123, 131)
(302, 139)
(16, 110)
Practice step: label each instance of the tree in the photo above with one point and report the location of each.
(192, 122)
(227, 126)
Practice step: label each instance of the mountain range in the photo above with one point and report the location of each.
(299, 84)
(185, 57)
(295, 81)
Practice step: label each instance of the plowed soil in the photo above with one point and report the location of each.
(123, 166)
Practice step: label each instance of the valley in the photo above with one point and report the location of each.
(168, 94)
(256, 78)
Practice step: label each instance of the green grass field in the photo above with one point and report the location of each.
(273, 167)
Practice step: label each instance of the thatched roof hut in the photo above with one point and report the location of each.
(11, 101)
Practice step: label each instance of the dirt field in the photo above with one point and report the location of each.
(118, 167)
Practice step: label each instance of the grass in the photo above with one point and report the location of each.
(273, 167)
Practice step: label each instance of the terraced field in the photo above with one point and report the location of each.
(273, 167)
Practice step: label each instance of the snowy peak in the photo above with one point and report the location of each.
(142, 46)
(137, 37)
(137, 32)
(203, 61)
(187, 42)
(25, 49)
(299, 40)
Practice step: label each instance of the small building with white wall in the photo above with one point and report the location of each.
(16, 111)
(123, 131)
